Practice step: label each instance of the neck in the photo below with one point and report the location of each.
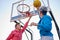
(41, 16)
(17, 29)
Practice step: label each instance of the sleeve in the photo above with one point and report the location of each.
(25, 26)
(10, 36)
(45, 25)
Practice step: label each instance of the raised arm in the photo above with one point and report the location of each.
(26, 24)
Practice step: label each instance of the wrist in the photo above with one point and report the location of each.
(35, 24)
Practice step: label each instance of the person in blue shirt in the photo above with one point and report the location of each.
(45, 25)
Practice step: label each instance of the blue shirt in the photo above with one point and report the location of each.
(45, 26)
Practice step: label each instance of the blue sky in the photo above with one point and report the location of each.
(5, 12)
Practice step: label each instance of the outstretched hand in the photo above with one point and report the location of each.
(29, 18)
(28, 14)
(33, 24)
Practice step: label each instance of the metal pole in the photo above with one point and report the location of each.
(57, 28)
(30, 34)
(26, 35)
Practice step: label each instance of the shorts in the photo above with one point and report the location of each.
(46, 38)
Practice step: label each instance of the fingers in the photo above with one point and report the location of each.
(32, 24)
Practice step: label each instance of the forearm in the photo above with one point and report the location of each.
(25, 25)
(29, 19)
(35, 24)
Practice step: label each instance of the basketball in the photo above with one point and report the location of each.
(37, 3)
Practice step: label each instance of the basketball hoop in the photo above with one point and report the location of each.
(23, 8)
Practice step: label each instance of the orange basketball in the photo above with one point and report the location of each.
(37, 3)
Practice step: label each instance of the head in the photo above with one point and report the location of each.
(43, 11)
(18, 26)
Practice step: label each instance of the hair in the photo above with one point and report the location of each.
(43, 9)
(44, 12)
(17, 24)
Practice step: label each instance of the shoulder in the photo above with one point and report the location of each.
(13, 32)
(47, 17)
